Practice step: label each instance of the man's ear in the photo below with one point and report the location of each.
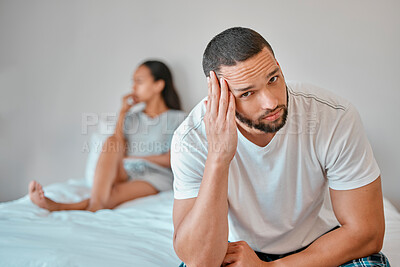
(160, 84)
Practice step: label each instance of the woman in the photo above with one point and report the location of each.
(135, 160)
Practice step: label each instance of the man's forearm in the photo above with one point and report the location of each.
(202, 237)
(335, 248)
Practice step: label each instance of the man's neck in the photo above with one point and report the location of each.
(255, 136)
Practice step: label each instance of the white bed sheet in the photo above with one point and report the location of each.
(137, 233)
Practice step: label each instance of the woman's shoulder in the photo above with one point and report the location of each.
(175, 115)
(176, 112)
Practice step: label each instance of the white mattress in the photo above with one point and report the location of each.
(137, 233)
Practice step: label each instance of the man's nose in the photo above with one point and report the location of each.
(268, 100)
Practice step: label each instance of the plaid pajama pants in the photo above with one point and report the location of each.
(377, 260)
(374, 260)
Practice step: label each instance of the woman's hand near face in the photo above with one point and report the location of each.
(127, 102)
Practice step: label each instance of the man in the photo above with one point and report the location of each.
(253, 164)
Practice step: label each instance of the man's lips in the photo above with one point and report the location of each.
(273, 116)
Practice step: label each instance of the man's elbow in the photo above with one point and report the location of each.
(194, 255)
(377, 242)
(374, 240)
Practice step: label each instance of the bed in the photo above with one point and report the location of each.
(137, 233)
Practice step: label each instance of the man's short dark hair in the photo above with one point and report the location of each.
(232, 46)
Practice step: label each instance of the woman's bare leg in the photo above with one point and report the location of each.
(109, 170)
(36, 195)
(120, 193)
(129, 190)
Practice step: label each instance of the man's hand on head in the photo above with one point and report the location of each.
(220, 121)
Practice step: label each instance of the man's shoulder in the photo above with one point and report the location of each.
(307, 93)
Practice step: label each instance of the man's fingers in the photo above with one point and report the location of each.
(208, 103)
(231, 248)
(224, 99)
(229, 258)
(230, 115)
(215, 93)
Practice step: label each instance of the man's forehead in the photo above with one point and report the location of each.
(245, 71)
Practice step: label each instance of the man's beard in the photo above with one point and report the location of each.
(269, 127)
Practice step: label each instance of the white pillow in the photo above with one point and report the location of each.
(96, 143)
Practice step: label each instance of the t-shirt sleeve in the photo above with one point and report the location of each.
(173, 122)
(187, 162)
(350, 162)
(130, 126)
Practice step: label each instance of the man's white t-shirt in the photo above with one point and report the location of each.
(278, 194)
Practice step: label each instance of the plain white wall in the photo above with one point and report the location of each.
(60, 60)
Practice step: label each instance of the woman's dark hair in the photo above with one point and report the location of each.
(232, 46)
(160, 71)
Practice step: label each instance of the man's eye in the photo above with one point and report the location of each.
(273, 79)
(246, 94)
